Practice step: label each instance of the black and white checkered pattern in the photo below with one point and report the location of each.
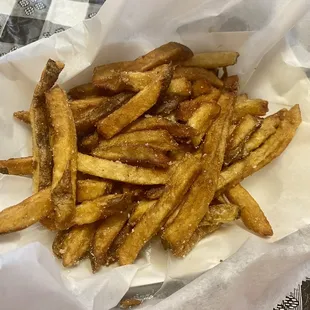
(25, 21)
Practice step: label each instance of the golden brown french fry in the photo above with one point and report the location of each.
(135, 107)
(81, 105)
(201, 120)
(26, 213)
(120, 172)
(63, 143)
(130, 302)
(188, 107)
(140, 155)
(57, 246)
(93, 210)
(89, 189)
(272, 148)
(104, 236)
(166, 105)
(194, 73)
(151, 222)
(76, 244)
(23, 116)
(89, 142)
(85, 91)
(252, 215)
(154, 192)
(42, 153)
(180, 87)
(157, 139)
(196, 203)
(212, 60)
(17, 166)
(231, 84)
(201, 87)
(142, 207)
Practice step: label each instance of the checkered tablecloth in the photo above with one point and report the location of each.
(25, 21)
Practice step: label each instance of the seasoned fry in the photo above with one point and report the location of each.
(63, 137)
(140, 155)
(180, 87)
(272, 148)
(153, 219)
(157, 139)
(154, 193)
(90, 189)
(76, 244)
(26, 213)
(220, 214)
(58, 243)
(16, 166)
(252, 215)
(192, 74)
(23, 116)
(201, 87)
(100, 208)
(81, 105)
(134, 108)
(212, 60)
(42, 154)
(120, 172)
(141, 208)
(85, 91)
(201, 120)
(89, 142)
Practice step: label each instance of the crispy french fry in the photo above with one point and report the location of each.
(194, 73)
(76, 244)
(153, 219)
(212, 60)
(42, 153)
(82, 105)
(63, 137)
(166, 105)
(142, 207)
(134, 108)
(16, 166)
(252, 215)
(154, 193)
(272, 148)
(140, 155)
(201, 120)
(201, 87)
(120, 172)
(85, 91)
(231, 84)
(26, 213)
(196, 203)
(180, 87)
(89, 189)
(157, 139)
(58, 242)
(23, 116)
(221, 214)
(90, 141)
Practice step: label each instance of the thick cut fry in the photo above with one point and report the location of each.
(23, 116)
(81, 105)
(42, 153)
(201, 87)
(201, 120)
(212, 60)
(157, 139)
(140, 155)
(142, 207)
(26, 213)
(89, 142)
(85, 91)
(180, 87)
(104, 236)
(134, 108)
(251, 214)
(187, 108)
(120, 172)
(192, 74)
(86, 120)
(151, 222)
(196, 203)
(58, 242)
(90, 189)
(166, 105)
(63, 142)
(100, 208)
(16, 166)
(272, 148)
(220, 214)
(154, 193)
(76, 244)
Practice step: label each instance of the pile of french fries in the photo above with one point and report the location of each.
(156, 146)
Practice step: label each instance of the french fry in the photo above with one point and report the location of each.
(23, 116)
(135, 107)
(63, 143)
(17, 166)
(42, 154)
(272, 148)
(120, 172)
(231, 84)
(201, 120)
(142, 207)
(140, 155)
(26, 213)
(89, 142)
(180, 87)
(153, 219)
(93, 210)
(194, 73)
(196, 203)
(81, 105)
(154, 193)
(157, 139)
(57, 246)
(76, 244)
(130, 302)
(85, 91)
(212, 60)
(201, 87)
(89, 189)
(166, 105)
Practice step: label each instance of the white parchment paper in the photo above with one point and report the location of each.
(269, 68)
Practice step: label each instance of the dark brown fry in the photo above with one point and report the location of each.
(16, 166)
(85, 91)
(154, 193)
